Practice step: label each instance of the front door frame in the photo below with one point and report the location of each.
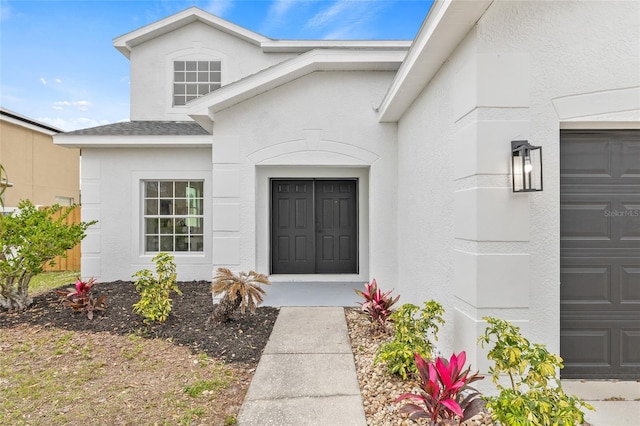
(263, 177)
(312, 231)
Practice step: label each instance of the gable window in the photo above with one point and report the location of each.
(192, 79)
(173, 215)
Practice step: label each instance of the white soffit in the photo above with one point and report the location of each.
(203, 109)
(126, 42)
(146, 141)
(448, 22)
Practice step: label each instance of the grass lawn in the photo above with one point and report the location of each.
(48, 280)
(58, 368)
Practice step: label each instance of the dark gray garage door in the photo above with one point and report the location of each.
(314, 226)
(600, 254)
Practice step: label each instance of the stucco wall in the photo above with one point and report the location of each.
(111, 182)
(152, 66)
(321, 125)
(465, 239)
(39, 170)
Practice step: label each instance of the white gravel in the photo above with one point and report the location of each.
(379, 389)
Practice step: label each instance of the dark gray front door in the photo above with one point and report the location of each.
(314, 226)
(600, 254)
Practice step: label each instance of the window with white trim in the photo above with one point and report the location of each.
(173, 215)
(192, 79)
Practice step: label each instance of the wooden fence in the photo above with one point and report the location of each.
(72, 261)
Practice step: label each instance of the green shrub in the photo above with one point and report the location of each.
(534, 395)
(155, 303)
(411, 336)
(29, 238)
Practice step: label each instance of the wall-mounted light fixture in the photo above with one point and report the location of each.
(526, 166)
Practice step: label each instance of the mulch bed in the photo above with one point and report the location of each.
(240, 340)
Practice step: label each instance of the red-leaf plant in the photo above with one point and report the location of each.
(447, 398)
(376, 303)
(80, 298)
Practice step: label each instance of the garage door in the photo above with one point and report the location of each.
(600, 254)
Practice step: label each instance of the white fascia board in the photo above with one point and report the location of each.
(284, 72)
(447, 24)
(163, 141)
(126, 42)
(301, 46)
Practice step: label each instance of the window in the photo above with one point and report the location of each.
(173, 216)
(192, 79)
(64, 201)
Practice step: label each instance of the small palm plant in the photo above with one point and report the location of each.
(240, 291)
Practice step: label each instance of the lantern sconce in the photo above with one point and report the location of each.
(526, 167)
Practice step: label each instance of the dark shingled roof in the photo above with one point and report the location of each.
(144, 128)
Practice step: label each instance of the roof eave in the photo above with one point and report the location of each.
(301, 46)
(128, 41)
(128, 141)
(448, 22)
(204, 108)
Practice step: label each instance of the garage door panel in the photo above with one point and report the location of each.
(630, 159)
(598, 347)
(630, 284)
(600, 220)
(600, 254)
(585, 283)
(585, 220)
(629, 220)
(586, 160)
(630, 348)
(586, 346)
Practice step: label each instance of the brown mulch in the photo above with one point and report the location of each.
(240, 340)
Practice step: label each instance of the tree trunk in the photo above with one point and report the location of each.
(12, 298)
(15, 296)
(225, 308)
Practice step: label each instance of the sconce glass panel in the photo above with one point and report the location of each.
(526, 167)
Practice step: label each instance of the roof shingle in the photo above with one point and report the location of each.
(144, 128)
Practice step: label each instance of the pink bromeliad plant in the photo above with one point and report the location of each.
(376, 303)
(80, 298)
(447, 398)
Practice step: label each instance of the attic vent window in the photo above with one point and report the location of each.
(192, 79)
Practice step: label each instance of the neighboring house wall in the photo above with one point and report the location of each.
(526, 70)
(318, 126)
(152, 66)
(38, 170)
(111, 180)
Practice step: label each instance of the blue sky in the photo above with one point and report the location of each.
(58, 64)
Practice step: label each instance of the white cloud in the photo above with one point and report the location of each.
(328, 15)
(5, 11)
(58, 81)
(43, 81)
(79, 105)
(279, 8)
(219, 7)
(347, 19)
(73, 123)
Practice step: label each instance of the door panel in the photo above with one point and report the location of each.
(337, 235)
(314, 227)
(600, 254)
(292, 247)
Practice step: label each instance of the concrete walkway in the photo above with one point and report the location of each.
(306, 375)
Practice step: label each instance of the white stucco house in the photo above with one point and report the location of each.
(328, 163)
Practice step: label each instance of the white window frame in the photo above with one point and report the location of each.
(186, 219)
(194, 83)
(137, 214)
